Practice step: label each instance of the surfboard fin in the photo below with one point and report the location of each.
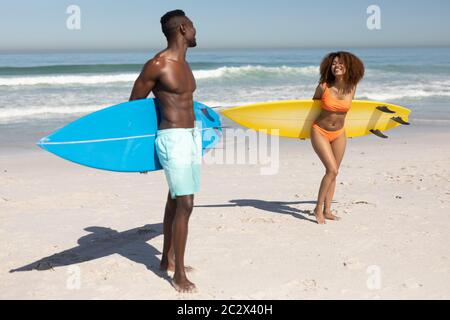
(400, 120)
(378, 133)
(385, 109)
(206, 114)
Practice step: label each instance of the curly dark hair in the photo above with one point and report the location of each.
(354, 66)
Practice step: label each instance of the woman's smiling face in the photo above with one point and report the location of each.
(337, 67)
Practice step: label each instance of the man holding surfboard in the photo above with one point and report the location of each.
(178, 142)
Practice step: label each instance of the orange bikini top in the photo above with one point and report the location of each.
(330, 103)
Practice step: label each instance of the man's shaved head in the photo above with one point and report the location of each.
(171, 21)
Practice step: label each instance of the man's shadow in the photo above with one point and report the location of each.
(270, 206)
(131, 244)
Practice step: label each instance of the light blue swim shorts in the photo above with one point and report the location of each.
(180, 154)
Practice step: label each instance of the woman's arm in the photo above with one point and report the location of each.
(319, 92)
(354, 92)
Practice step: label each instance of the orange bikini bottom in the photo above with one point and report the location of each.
(330, 135)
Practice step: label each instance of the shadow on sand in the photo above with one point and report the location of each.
(101, 242)
(270, 206)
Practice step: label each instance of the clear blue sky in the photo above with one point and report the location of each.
(134, 24)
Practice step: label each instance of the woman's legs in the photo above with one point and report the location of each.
(338, 148)
(322, 147)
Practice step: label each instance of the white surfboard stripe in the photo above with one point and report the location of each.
(98, 140)
(43, 143)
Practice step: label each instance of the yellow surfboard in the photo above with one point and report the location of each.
(294, 118)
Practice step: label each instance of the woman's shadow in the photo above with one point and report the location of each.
(101, 242)
(270, 206)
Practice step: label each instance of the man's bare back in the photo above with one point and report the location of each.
(173, 85)
(170, 78)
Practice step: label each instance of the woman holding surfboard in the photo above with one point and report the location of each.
(340, 73)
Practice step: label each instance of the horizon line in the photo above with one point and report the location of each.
(141, 49)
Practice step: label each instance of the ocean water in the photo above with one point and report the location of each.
(41, 91)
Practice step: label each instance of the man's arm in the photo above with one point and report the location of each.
(146, 81)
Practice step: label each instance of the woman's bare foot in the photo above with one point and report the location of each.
(184, 285)
(328, 215)
(169, 266)
(319, 216)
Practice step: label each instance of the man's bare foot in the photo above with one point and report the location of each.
(328, 215)
(169, 266)
(319, 216)
(184, 286)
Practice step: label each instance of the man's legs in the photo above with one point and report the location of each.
(168, 255)
(179, 151)
(167, 259)
(184, 206)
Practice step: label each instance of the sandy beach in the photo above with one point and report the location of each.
(71, 232)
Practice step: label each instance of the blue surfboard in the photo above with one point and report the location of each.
(122, 137)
